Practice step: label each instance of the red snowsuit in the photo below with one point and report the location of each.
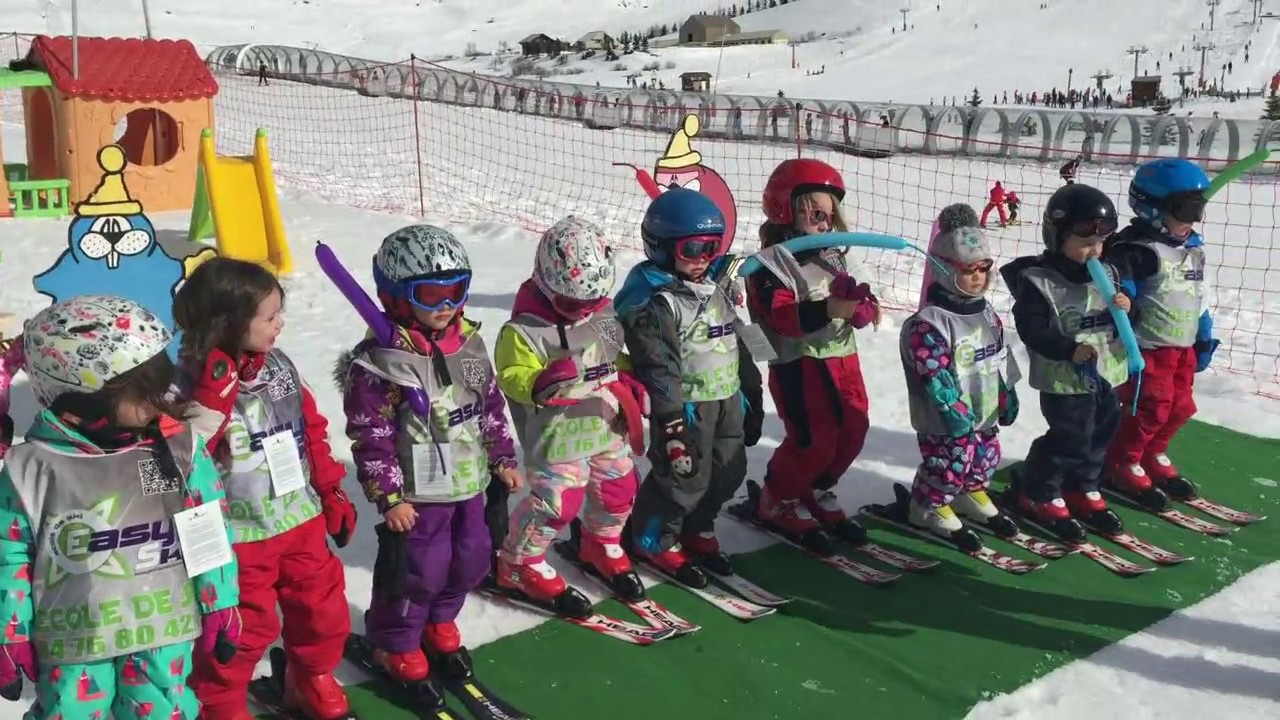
(295, 569)
(822, 402)
(995, 201)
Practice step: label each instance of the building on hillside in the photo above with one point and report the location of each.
(539, 44)
(695, 82)
(759, 37)
(596, 40)
(703, 29)
(1145, 90)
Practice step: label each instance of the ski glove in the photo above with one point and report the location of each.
(391, 564)
(947, 397)
(339, 516)
(1204, 353)
(637, 389)
(677, 446)
(6, 435)
(560, 374)
(1008, 404)
(16, 660)
(220, 634)
(753, 422)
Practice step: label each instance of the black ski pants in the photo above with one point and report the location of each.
(1071, 454)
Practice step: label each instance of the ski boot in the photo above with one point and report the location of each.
(443, 643)
(942, 521)
(825, 508)
(406, 667)
(674, 562)
(791, 518)
(541, 584)
(611, 564)
(1167, 478)
(978, 507)
(1134, 483)
(704, 549)
(319, 697)
(1092, 510)
(1055, 516)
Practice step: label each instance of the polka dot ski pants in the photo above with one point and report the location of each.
(952, 465)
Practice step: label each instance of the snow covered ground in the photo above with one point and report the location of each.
(994, 45)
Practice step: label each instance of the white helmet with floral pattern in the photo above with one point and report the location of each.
(574, 261)
(79, 344)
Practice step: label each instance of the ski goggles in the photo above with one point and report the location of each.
(438, 292)
(1186, 207)
(574, 309)
(818, 217)
(1093, 227)
(982, 266)
(698, 247)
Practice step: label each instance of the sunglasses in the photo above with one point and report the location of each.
(441, 292)
(819, 217)
(981, 266)
(698, 247)
(1186, 207)
(577, 309)
(1095, 227)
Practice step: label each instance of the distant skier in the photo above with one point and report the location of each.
(995, 201)
(1068, 171)
(1012, 202)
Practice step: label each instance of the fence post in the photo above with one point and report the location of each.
(795, 124)
(417, 133)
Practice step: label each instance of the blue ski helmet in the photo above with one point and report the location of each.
(1168, 186)
(676, 214)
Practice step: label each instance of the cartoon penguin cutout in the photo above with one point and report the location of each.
(112, 250)
(682, 166)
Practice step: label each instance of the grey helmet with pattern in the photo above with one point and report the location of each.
(417, 251)
(574, 261)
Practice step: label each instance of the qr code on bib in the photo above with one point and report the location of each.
(281, 385)
(154, 481)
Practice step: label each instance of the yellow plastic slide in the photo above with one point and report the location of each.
(239, 195)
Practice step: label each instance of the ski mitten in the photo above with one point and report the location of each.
(339, 516)
(637, 389)
(1008, 404)
(220, 633)
(1206, 344)
(16, 661)
(558, 375)
(753, 421)
(392, 561)
(845, 287)
(679, 451)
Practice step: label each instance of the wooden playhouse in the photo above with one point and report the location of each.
(151, 97)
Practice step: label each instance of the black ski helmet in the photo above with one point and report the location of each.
(1074, 204)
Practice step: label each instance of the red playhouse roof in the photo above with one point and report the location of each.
(127, 69)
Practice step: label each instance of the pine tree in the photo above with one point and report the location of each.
(1272, 109)
(974, 100)
(644, 44)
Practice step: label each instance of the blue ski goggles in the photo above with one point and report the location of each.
(438, 292)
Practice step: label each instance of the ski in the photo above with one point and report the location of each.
(744, 513)
(645, 608)
(1157, 555)
(596, 622)
(427, 695)
(1030, 543)
(1173, 515)
(722, 600)
(1105, 558)
(902, 561)
(268, 693)
(457, 674)
(746, 589)
(1222, 512)
(891, 514)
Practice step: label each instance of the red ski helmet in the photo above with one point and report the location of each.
(797, 177)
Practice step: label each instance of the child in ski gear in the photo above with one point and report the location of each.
(11, 361)
(960, 380)
(704, 390)
(1012, 202)
(995, 201)
(426, 475)
(109, 457)
(1161, 261)
(560, 363)
(283, 486)
(808, 307)
(1077, 362)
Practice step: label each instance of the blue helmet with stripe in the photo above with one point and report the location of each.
(676, 214)
(1158, 183)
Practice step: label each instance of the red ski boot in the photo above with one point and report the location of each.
(442, 638)
(319, 697)
(825, 508)
(612, 564)
(675, 563)
(1055, 516)
(704, 549)
(1092, 510)
(407, 667)
(540, 583)
(1133, 482)
(1167, 478)
(791, 518)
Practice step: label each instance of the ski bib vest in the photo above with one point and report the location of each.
(108, 577)
(979, 359)
(1079, 313)
(443, 458)
(809, 281)
(561, 434)
(268, 409)
(1171, 301)
(706, 324)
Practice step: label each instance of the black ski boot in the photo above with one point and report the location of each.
(1069, 530)
(1180, 488)
(1106, 522)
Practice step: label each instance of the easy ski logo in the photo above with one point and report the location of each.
(86, 542)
